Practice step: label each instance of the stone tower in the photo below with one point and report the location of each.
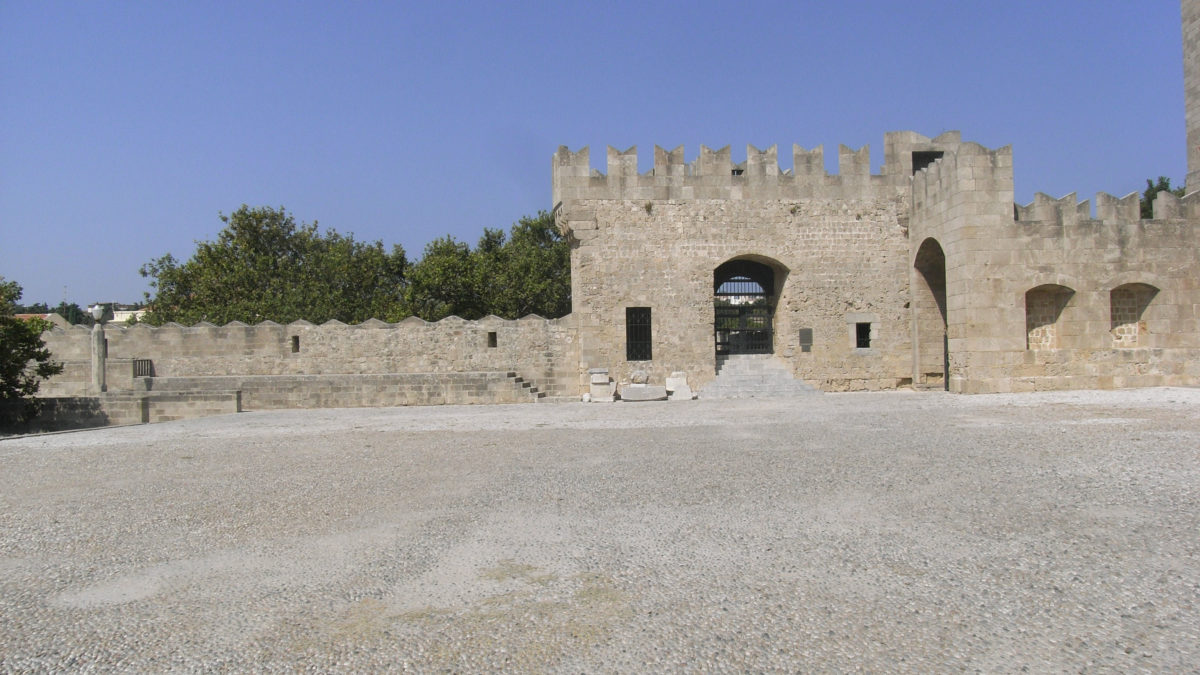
(1191, 89)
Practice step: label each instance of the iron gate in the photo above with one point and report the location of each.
(742, 318)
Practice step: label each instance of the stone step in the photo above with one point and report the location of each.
(754, 376)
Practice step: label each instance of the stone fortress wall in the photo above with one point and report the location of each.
(838, 245)
(1050, 295)
(951, 276)
(269, 360)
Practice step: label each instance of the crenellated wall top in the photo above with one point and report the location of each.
(714, 175)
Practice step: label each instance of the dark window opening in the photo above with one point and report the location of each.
(491, 339)
(637, 334)
(862, 335)
(924, 158)
(295, 344)
(737, 172)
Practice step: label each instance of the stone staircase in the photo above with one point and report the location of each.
(754, 376)
(526, 385)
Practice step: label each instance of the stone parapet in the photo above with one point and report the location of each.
(714, 175)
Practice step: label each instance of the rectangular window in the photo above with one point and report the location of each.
(491, 339)
(295, 344)
(862, 335)
(637, 334)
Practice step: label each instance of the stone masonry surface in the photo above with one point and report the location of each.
(889, 531)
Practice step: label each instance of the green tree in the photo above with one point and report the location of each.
(525, 272)
(73, 313)
(1152, 189)
(263, 266)
(24, 359)
(35, 308)
(531, 273)
(446, 281)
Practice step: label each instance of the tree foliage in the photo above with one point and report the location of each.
(263, 266)
(73, 313)
(526, 272)
(24, 359)
(70, 311)
(1152, 189)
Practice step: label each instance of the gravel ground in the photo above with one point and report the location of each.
(899, 531)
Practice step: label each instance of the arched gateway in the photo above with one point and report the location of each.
(744, 307)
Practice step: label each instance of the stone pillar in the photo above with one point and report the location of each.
(1191, 88)
(99, 356)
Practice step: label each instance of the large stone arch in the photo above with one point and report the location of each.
(746, 291)
(931, 357)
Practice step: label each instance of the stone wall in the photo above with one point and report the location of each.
(838, 245)
(539, 350)
(1039, 296)
(959, 286)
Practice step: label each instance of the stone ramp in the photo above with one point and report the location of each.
(754, 376)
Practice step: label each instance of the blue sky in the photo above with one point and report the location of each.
(126, 128)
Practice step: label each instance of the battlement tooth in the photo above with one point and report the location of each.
(713, 163)
(853, 163)
(669, 162)
(1047, 209)
(622, 163)
(1083, 210)
(762, 162)
(1114, 209)
(567, 163)
(1167, 205)
(1024, 212)
(808, 162)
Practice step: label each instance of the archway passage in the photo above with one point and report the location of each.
(932, 354)
(743, 308)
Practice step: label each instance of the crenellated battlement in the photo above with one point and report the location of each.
(714, 175)
(971, 183)
(1109, 209)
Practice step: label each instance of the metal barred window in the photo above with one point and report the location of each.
(637, 334)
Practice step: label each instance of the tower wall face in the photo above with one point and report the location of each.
(1191, 88)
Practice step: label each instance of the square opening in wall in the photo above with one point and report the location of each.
(922, 159)
(862, 335)
(491, 339)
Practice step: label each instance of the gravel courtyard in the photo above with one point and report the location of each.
(897, 531)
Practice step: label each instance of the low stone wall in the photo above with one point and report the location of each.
(64, 413)
(543, 351)
(268, 392)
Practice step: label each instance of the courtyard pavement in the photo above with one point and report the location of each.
(884, 532)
